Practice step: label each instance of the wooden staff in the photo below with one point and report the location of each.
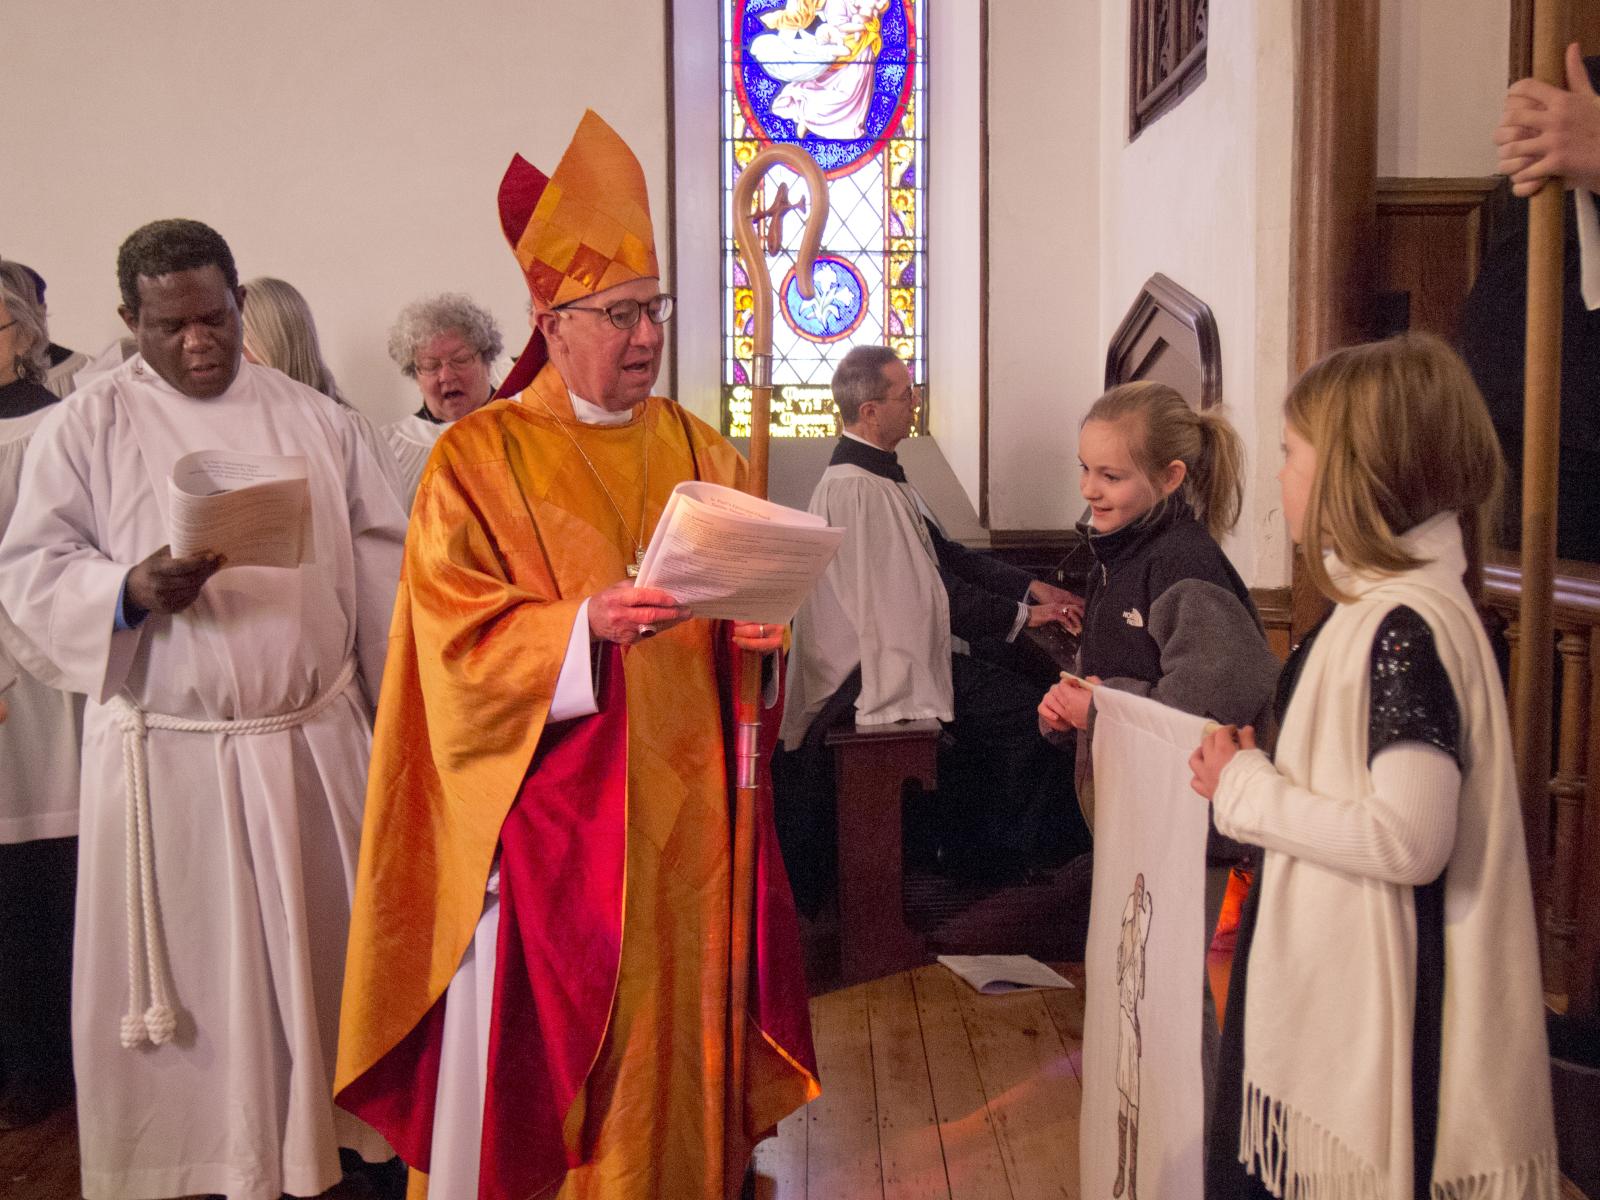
(1541, 424)
(747, 709)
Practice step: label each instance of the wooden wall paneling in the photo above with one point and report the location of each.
(1332, 252)
(1567, 794)
(1432, 235)
(1584, 974)
(1276, 606)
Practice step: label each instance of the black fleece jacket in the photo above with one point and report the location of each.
(1168, 617)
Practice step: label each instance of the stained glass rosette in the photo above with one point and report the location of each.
(845, 80)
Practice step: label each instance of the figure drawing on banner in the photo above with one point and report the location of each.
(824, 53)
(1130, 990)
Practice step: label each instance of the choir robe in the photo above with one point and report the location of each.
(610, 1048)
(411, 439)
(39, 740)
(254, 837)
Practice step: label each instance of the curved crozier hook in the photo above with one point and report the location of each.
(748, 239)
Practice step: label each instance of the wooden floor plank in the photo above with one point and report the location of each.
(780, 1161)
(1065, 1006)
(908, 1124)
(842, 1138)
(973, 1166)
(41, 1161)
(1033, 1094)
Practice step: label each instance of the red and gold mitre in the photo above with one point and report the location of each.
(576, 232)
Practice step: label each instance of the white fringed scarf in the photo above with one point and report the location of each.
(1330, 1001)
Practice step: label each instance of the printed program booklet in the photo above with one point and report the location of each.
(734, 557)
(996, 974)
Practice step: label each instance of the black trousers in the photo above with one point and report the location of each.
(1005, 799)
(1005, 795)
(38, 881)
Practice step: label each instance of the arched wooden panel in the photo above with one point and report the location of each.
(1170, 336)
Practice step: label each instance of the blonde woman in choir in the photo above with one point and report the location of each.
(279, 332)
(1385, 1030)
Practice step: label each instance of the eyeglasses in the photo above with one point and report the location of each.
(624, 314)
(429, 367)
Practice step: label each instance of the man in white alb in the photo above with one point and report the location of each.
(888, 631)
(225, 745)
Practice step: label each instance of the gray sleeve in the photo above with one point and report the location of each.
(1215, 662)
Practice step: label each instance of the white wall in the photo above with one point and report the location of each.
(352, 149)
(1203, 197)
(697, 178)
(954, 241)
(1046, 347)
(1441, 78)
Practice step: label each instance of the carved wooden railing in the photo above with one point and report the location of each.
(1566, 865)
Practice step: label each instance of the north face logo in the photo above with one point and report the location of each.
(1132, 617)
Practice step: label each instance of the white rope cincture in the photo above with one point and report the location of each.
(152, 1016)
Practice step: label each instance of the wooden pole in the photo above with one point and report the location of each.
(1335, 200)
(747, 707)
(1541, 424)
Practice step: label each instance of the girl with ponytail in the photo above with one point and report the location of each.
(1166, 614)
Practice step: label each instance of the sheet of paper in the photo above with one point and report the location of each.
(255, 509)
(734, 557)
(996, 974)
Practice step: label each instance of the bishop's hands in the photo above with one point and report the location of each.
(163, 584)
(1050, 604)
(625, 614)
(1215, 752)
(1545, 131)
(1066, 706)
(760, 639)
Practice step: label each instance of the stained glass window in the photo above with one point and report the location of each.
(845, 80)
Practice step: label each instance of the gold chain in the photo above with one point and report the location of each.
(644, 501)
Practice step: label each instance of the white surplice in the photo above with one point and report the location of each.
(881, 604)
(254, 835)
(39, 739)
(412, 439)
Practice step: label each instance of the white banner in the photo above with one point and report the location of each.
(1141, 1129)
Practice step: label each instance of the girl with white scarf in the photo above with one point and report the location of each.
(1385, 1033)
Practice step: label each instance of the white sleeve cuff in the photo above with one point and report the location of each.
(1588, 246)
(1017, 625)
(575, 693)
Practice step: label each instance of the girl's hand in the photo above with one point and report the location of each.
(1215, 752)
(1066, 706)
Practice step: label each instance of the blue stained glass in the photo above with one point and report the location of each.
(845, 80)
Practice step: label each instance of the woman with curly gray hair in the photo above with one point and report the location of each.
(24, 345)
(448, 344)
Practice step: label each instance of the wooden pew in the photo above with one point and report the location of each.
(872, 764)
